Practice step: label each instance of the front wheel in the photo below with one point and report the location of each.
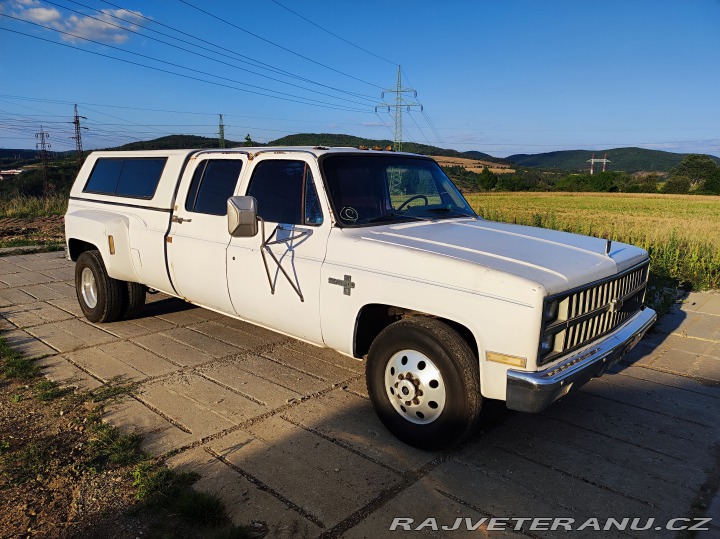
(101, 298)
(423, 381)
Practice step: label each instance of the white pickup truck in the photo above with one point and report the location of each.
(374, 254)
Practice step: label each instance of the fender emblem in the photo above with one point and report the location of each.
(346, 283)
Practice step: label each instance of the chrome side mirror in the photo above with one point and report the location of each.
(242, 217)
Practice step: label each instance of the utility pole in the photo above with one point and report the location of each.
(592, 162)
(43, 146)
(221, 133)
(400, 102)
(78, 138)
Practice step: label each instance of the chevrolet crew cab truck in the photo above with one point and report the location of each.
(375, 254)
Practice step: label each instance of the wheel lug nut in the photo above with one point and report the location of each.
(416, 401)
(401, 376)
(419, 393)
(407, 403)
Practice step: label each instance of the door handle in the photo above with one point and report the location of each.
(180, 220)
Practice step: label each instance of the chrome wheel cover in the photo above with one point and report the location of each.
(415, 387)
(88, 288)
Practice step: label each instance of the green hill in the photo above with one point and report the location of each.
(624, 159)
(176, 142)
(330, 139)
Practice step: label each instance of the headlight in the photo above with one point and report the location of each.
(547, 343)
(550, 311)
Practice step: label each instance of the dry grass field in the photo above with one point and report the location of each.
(473, 165)
(681, 232)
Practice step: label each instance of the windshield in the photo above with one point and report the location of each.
(367, 189)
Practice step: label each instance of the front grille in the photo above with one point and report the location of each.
(589, 312)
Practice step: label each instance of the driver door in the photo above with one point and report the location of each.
(277, 285)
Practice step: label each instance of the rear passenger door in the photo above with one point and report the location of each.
(199, 235)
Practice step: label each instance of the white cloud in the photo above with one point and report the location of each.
(43, 15)
(106, 26)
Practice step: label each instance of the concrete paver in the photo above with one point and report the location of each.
(328, 487)
(244, 500)
(70, 334)
(351, 421)
(23, 342)
(35, 314)
(284, 431)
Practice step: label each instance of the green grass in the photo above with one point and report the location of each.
(46, 390)
(14, 365)
(171, 492)
(26, 206)
(680, 232)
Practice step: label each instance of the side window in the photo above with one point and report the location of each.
(313, 211)
(285, 192)
(212, 185)
(132, 177)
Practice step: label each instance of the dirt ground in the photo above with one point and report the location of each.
(47, 487)
(65, 474)
(31, 230)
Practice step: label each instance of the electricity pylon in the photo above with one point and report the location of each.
(400, 103)
(221, 133)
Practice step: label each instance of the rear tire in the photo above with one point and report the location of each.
(100, 296)
(424, 382)
(135, 299)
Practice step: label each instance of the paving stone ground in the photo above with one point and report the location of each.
(284, 431)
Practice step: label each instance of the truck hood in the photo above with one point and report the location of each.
(557, 260)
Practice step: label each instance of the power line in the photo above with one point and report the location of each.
(212, 58)
(412, 117)
(307, 101)
(252, 61)
(334, 34)
(277, 45)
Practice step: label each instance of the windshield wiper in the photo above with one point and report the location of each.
(393, 215)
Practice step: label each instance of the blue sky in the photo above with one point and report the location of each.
(499, 77)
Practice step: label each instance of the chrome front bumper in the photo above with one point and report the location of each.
(535, 391)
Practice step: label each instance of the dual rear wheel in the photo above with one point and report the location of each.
(102, 298)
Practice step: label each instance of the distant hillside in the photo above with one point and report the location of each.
(18, 154)
(625, 159)
(176, 142)
(330, 139)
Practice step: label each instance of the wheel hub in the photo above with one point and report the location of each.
(415, 386)
(88, 288)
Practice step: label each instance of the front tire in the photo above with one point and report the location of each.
(423, 380)
(100, 296)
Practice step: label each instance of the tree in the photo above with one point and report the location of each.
(487, 180)
(248, 141)
(678, 185)
(698, 170)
